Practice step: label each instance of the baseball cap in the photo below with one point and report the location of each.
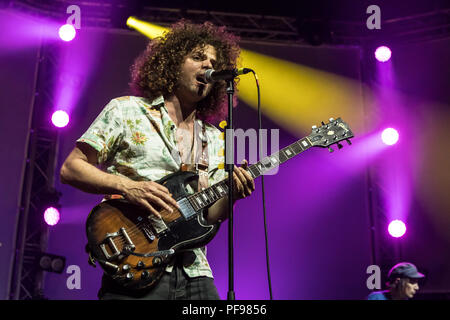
(405, 270)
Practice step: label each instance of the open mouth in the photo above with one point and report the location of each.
(201, 79)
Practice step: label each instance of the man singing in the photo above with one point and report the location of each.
(162, 129)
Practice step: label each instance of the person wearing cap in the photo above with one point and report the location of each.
(402, 282)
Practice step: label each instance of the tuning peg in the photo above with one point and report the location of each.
(349, 142)
(330, 149)
(340, 146)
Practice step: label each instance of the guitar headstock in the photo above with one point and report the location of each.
(330, 133)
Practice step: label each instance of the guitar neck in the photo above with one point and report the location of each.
(208, 196)
(274, 160)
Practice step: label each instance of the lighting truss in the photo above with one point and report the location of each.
(424, 27)
(255, 28)
(32, 233)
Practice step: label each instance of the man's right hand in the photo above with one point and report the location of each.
(150, 195)
(80, 171)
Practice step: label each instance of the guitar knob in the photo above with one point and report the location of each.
(126, 268)
(145, 275)
(331, 119)
(140, 264)
(157, 261)
(129, 276)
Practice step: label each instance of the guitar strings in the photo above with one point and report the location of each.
(137, 228)
(134, 230)
(131, 232)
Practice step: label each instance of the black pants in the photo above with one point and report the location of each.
(172, 286)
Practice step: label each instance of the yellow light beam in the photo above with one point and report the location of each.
(294, 96)
(297, 96)
(148, 29)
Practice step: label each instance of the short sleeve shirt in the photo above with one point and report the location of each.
(136, 138)
(379, 295)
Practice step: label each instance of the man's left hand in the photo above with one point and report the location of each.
(243, 182)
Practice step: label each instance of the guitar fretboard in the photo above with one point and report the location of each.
(208, 196)
(283, 155)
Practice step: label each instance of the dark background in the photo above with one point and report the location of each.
(318, 214)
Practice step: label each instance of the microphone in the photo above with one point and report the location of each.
(213, 75)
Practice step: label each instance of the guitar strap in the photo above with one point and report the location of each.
(199, 156)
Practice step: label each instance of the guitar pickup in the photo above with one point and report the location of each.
(158, 224)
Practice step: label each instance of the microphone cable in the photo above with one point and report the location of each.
(262, 188)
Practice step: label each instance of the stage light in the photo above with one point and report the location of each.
(397, 228)
(60, 118)
(383, 53)
(67, 32)
(51, 263)
(389, 136)
(51, 216)
(146, 28)
(49, 206)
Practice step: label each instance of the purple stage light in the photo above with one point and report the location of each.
(389, 136)
(383, 53)
(67, 32)
(60, 118)
(397, 228)
(51, 216)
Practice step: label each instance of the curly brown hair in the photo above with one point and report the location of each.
(156, 71)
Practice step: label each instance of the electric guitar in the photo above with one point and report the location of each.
(133, 247)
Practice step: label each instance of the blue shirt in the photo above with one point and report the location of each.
(379, 295)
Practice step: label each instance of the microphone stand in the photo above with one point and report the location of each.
(229, 167)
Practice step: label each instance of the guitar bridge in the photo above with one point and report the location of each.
(149, 234)
(109, 242)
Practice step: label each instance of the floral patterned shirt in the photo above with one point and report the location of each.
(137, 139)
